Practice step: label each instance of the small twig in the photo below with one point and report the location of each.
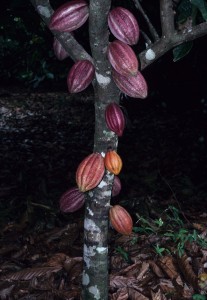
(148, 42)
(151, 27)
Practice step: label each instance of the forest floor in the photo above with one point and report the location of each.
(44, 136)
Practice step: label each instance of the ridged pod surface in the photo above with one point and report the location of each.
(69, 16)
(122, 58)
(116, 188)
(80, 76)
(115, 118)
(59, 51)
(90, 172)
(72, 200)
(134, 86)
(120, 220)
(113, 162)
(123, 25)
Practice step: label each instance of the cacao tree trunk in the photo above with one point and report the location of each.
(95, 270)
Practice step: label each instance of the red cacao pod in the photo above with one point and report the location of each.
(123, 25)
(80, 76)
(113, 162)
(133, 86)
(122, 58)
(69, 16)
(59, 51)
(115, 118)
(90, 172)
(116, 188)
(72, 200)
(120, 220)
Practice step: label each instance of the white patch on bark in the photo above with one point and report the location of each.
(103, 154)
(109, 134)
(90, 211)
(90, 194)
(88, 252)
(107, 193)
(93, 290)
(90, 225)
(150, 54)
(102, 250)
(102, 184)
(103, 80)
(43, 10)
(109, 175)
(85, 278)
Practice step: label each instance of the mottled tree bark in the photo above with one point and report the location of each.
(95, 273)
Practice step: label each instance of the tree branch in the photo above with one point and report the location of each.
(151, 27)
(167, 18)
(74, 49)
(165, 44)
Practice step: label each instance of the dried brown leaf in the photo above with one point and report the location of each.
(131, 270)
(168, 266)
(187, 270)
(28, 274)
(121, 281)
(142, 272)
(167, 286)
(121, 294)
(158, 295)
(118, 262)
(156, 269)
(136, 295)
(56, 260)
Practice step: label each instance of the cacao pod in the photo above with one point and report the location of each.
(123, 25)
(116, 188)
(90, 172)
(80, 76)
(122, 58)
(120, 220)
(69, 16)
(115, 118)
(133, 86)
(72, 200)
(59, 51)
(113, 162)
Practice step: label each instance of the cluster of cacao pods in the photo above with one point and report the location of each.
(121, 56)
(123, 25)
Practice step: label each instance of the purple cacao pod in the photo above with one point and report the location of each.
(59, 51)
(69, 16)
(80, 76)
(116, 188)
(71, 200)
(122, 58)
(123, 25)
(133, 86)
(115, 118)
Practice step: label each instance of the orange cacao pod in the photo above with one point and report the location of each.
(113, 162)
(120, 219)
(90, 172)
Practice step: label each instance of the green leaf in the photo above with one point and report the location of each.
(184, 11)
(181, 50)
(199, 297)
(202, 6)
